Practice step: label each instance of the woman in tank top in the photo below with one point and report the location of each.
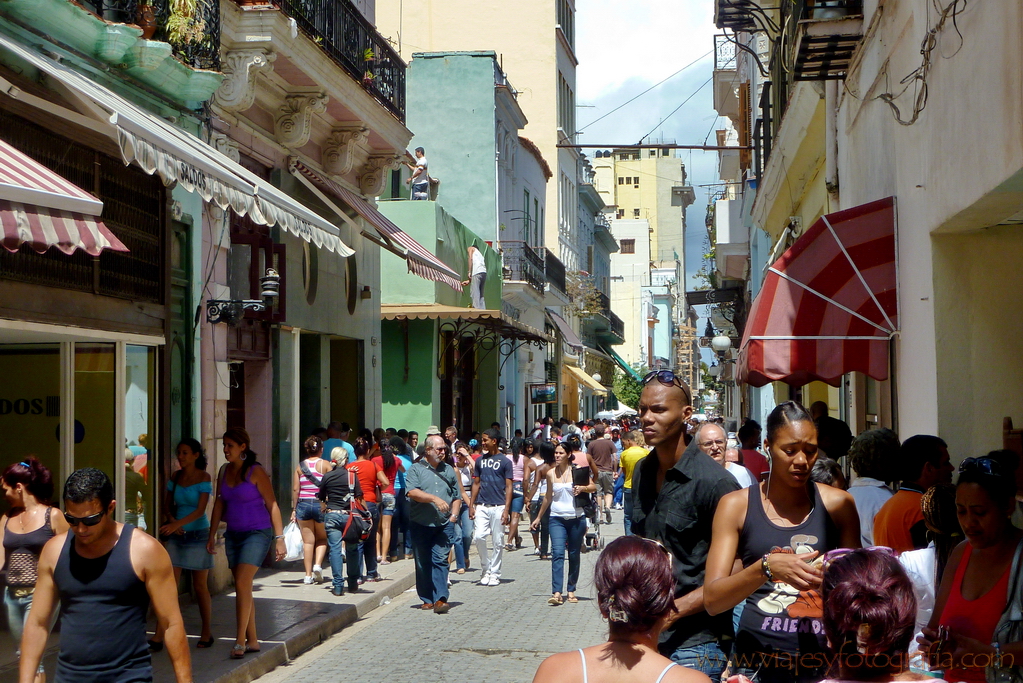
(536, 474)
(305, 485)
(25, 528)
(246, 503)
(519, 457)
(778, 529)
(567, 522)
(978, 583)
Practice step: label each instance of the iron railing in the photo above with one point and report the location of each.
(724, 52)
(192, 27)
(614, 322)
(522, 264)
(341, 31)
(555, 270)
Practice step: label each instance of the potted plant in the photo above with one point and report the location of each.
(145, 19)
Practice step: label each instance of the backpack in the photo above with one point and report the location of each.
(360, 522)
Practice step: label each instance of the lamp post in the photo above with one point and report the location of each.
(230, 311)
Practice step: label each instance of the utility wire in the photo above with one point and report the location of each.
(698, 59)
(676, 109)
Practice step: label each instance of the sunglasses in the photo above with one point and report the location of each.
(667, 377)
(832, 555)
(91, 520)
(984, 465)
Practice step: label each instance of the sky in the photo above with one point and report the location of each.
(623, 49)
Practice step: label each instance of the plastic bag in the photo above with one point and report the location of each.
(292, 542)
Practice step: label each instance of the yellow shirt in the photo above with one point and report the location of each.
(631, 456)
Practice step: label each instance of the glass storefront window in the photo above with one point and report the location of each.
(141, 468)
(94, 429)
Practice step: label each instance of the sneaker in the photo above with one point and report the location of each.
(449, 583)
(534, 551)
(307, 580)
(485, 579)
(494, 580)
(337, 591)
(317, 573)
(607, 515)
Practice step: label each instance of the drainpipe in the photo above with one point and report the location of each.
(831, 141)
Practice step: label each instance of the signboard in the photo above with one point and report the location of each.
(714, 296)
(543, 393)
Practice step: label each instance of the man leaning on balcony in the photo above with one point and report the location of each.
(420, 179)
(477, 276)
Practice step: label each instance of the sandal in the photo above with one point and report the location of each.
(554, 600)
(460, 571)
(203, 644)
(572, 598)
(237, 651)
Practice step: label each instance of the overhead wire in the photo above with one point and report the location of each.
(661, 123)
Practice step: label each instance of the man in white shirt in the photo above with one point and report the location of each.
(477, 276)
(420, 179)
(874, 456)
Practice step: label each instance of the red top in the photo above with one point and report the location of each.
(755, 462)
(973, 618)
(366, 471)
(391, 474)
(897, 516)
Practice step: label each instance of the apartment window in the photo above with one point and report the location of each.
(628, 246)
(525, 215)
(636, 179)
(635, 213)
(589, 259)
(621, 213)
(566, 20)
(653, 153)
(623, 156)
(536, 222)
(566, 107)
(621, 180)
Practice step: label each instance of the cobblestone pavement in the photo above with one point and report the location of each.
(494, 634)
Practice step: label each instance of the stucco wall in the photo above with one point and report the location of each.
(410, 402)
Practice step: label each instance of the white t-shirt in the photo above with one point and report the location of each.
(479, 264)
(423, 177)
(921, 567)
(741, 474)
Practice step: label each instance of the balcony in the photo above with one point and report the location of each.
(726, 100)
(614, 329)
(555, 270)
(343, 33)
(735, 14)
(193, 32)
(828, 33)
(523, 264)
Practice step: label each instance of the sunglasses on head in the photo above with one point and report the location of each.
(832, 555)
(667, 377)
(91, 520)
(984, 465)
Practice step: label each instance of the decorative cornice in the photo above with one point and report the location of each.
(342, 147)
(237, 92)
(226, 146)
(374, 173)
(294, 124)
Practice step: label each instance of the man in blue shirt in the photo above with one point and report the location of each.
(489, 505)
(337, 436)
(433, 492)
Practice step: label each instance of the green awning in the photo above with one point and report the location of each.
(621, 362)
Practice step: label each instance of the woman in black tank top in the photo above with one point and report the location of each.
(778, 530)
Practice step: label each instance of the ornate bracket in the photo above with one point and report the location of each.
(293, 126)
(237, 91)
(226, 146)
(342, 147)
(374, 173)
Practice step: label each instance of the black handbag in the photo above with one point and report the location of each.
(360, 522)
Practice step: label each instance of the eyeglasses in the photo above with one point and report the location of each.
(91, 520)
(667, 377)
(983, 465)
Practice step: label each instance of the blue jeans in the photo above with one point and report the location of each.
(431, 555)
(545, 523)
(628, 512)
(460, 536)
(619, 492)
(707, 658)
(568, 532)
(399, 525)
(334, 522)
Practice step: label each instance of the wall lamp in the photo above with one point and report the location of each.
(231, 311)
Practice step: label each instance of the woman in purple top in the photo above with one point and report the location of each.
(245, 502)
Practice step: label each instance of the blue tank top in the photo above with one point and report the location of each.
(103, 606)
(778, 618)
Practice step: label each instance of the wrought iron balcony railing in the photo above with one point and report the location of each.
(555, 271)
(339, 28)
(522, 264)
(724, 52)
(614, 322)
(192, 27)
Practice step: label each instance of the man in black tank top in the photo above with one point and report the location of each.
(104, 574)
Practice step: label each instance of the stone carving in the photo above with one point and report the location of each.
(226, 146)
(374, 173)
(237, 92)
(293, 125)
(342, 147)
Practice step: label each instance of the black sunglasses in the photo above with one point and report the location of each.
(91, 520)
(667, 377)
(984, 465)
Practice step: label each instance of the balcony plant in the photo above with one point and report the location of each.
(145, 19)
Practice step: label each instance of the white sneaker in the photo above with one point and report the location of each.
(485, 580)
(307, 580)
(317, 573)
(494, 581)
(449, 583)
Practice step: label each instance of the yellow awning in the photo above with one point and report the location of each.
(580, 374)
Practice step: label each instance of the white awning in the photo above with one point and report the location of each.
(177, 156)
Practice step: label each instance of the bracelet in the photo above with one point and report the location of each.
(998, 653)
(765, 566)
(278, 537)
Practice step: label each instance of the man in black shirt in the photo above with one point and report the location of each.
(675, 491)
(337, 489)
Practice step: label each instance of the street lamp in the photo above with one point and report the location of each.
(714, 370)
(230, 311)
(720, 343)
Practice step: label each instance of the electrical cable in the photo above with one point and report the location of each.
(698, 59)
(695, 92)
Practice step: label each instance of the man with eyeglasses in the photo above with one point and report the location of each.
(434, 505)
(104, 575)
(675, 491)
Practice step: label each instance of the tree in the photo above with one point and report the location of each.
(584, 296)
(627, 389)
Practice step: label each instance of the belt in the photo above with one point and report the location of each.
(485, 505)
(21, 591)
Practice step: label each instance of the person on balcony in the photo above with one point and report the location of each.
(420, 180)
(477, 276)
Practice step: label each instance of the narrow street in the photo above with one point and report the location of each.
(491, 635)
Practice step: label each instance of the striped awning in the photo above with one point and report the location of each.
(420, 261)
(829, 305)
(40, 208)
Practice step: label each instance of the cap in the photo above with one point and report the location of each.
(432, 430)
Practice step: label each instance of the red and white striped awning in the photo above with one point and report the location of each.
(40, 208)
(420, 261)
(829, 305)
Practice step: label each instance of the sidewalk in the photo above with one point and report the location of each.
(291, 617)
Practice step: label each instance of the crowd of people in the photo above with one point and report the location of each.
(788, 553)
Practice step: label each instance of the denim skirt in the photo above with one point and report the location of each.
(247, 547)
(188, 550)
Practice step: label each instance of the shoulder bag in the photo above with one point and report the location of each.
(360, 522)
